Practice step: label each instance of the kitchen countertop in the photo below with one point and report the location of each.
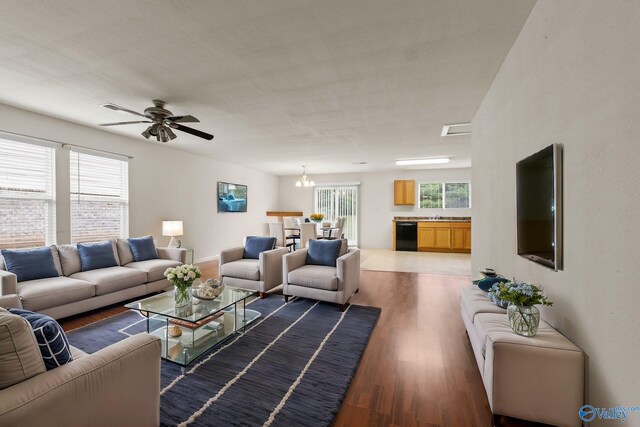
(432, 218)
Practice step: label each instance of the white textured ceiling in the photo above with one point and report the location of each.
(279, 83)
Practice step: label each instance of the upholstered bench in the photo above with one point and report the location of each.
(538, 378)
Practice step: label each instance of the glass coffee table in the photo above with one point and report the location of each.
(202, 325)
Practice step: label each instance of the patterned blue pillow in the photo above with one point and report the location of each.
(323, 252)
(143, 248)
(96, 255)
(254, 245)
(30, 264)
(52, 341)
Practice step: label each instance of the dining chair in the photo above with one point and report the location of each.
(291, 230)
(335, 231)
(276, 229)
(307, 232)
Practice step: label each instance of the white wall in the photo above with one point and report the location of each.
(376, 208)
(164, 183)
(572, 77)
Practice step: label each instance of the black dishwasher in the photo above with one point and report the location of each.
(406, 236)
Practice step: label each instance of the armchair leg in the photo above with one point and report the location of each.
(341, 307)
(286, 298)
(261, 295)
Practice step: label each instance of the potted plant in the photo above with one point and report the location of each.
(524, 316)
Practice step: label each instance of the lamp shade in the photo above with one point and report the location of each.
(172, 228)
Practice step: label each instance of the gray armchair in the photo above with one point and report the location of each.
(259, 275)
(332, 284)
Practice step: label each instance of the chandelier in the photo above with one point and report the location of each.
(304, 181)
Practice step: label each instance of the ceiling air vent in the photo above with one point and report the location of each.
(456, 129)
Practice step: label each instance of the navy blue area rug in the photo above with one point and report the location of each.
(293, 366)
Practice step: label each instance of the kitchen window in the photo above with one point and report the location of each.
(445, 195)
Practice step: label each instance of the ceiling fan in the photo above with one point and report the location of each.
(162, 121)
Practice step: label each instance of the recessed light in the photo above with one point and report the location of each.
(432, 161)
(456, 129)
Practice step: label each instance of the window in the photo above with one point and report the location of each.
(339, 200)
(431, 195)
(447, 195)
(99, 197)
(27, 195)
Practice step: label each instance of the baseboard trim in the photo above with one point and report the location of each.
(209, 258)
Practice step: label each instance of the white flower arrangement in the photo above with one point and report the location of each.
(182, 277)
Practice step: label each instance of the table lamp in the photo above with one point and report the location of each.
(172, 228)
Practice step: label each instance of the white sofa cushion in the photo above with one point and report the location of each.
(69, 258)
(112, 279)
(497, 324)
(248, 269)
(154, 268)
(20, 357)
(124, 252)
(39, 294)
(474, 301)
(314, 276)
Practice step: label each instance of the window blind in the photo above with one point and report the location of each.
(334, 201)
(27, 195)
(99, 197)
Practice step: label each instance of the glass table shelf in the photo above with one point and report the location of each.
(203, 325)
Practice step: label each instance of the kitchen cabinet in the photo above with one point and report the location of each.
(404, 192)
(434, 235)
(461, 236)
(443, 236)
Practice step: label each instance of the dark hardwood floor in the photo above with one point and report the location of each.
(418, 368)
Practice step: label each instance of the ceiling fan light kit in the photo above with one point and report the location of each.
(163, 121)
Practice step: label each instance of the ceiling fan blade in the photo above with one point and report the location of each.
(124, 123)
(183, 119)
(194, 132)
(115, 107)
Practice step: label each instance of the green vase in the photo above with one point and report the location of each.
(524, 320)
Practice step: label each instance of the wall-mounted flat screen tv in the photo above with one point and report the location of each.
(539, 207)
(232, 197)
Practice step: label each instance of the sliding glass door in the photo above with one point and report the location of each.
(334, 201)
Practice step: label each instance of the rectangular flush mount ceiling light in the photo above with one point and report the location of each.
(456, 129)
(432, 161)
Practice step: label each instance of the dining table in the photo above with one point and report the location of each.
(325, 233)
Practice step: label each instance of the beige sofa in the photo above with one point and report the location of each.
(537, 378)
(116, 386)
(75, 291)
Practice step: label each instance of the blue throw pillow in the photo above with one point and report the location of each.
(254, 245)
(142, 248)
(52, 341)
(30, 264)
(96, 255)
(486, 283)
(323, 252)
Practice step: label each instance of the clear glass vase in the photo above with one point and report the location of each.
(182, 296)
(524, 320)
